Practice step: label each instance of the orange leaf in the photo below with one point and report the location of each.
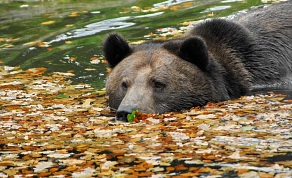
(48, 22)
(72, 58)
(74, 14)
(174, 8)
(94, 58)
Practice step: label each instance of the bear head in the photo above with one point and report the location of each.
(161, 76)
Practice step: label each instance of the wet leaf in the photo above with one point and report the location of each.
(68, 42)
(247, 128)
(48, 22)
(62, 95)
(132, 116)
(74, 14)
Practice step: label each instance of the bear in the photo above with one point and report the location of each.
(218, 59)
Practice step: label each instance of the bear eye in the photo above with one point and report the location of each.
(124, 85)
(158, 85)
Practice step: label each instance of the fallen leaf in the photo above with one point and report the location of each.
(48, 22)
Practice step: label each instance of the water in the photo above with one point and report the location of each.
(66, 36)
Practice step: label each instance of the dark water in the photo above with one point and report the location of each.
(66, 35)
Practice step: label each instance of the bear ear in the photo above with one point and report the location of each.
(115, 49)
(194, 50)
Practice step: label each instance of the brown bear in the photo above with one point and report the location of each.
(217, 60)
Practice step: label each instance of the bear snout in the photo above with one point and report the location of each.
(122, 115)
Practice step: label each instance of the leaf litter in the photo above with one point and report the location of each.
(51, 128)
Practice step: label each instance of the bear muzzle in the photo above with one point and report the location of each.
(137, 98)
(122, 114)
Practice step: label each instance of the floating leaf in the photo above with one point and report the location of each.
(247, 128)
(72, 58)
(132, 116)
(42, 44)
(95, 61)
(62, 95)
(74, 14)
(68, 42)
(94, 58)
(48, 22)
(90, 69)
(136, 8)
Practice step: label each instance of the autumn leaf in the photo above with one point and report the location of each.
(94, 58)
(68, 42)
(48, 22)
(72, 58)
(74, 14)
(136, 8)
(45, 118)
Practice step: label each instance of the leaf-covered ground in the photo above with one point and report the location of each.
(50, 128)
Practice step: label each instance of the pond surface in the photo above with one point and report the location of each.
(66, 35)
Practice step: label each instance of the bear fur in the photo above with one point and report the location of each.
(217, 60)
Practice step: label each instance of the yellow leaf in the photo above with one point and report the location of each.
(2, 39)
(42, 44)
(175, 8)
(74, 14)
(68, 42)
(30, 43)
(136, 8)
(185, 23)
(89, 69)
(210, 15)
(12, 40)
(187, 4)
(48, 22)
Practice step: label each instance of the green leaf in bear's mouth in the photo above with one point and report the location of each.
(61, 96)
(132, 116)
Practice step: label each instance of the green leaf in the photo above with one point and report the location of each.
(62, 95)
(247, 128)
(132, 116)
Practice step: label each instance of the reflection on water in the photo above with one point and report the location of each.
(170, 3)
(216, 8)
(228, 1)
(94, 28)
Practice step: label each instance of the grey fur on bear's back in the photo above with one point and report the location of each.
(261, 38)
(270, 26)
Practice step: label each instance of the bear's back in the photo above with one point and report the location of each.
(271, 30)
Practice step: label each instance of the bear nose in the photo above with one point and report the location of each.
(122, 115)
